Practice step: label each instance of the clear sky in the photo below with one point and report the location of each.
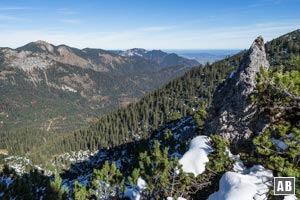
(150, 24)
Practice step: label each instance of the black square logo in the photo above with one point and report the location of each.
(284, 185)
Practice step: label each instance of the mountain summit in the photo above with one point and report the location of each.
(162, 58)
(232, 114)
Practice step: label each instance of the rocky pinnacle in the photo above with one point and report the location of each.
(232, 114)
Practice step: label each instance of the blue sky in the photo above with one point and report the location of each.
(150, 24)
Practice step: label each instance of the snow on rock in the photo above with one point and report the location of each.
(141, 183)
(135, 192)
(181, 198)
(238, 166)
(195, 159)
(253, 184)
(65, 87)
(18, 163)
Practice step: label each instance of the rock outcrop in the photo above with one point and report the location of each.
(232, 114)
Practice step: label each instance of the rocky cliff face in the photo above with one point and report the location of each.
(231, 113)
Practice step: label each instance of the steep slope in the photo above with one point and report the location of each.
(281, 49)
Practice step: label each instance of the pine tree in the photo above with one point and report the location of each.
(107, 182)
(163, 175)
(79, 191)
(58, 189)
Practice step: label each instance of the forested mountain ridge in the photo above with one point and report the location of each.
(181, 97)
(179, 107)
(62, 88)
(281, 49)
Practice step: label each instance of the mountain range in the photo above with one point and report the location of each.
(59, 87)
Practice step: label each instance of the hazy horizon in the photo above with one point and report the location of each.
(152, 24)
(120, 49)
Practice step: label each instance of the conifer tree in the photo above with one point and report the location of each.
(107, 182)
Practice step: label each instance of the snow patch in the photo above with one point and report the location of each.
(135, 192)
(243, 183)
(141, 183)
(195, 159)
(253, 184)
(18, 163)
(238, 166)
(134, 52)
(65, 87)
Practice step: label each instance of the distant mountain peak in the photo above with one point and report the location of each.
(38, 46)
(134, 52)
(42, 42)
(160, 57)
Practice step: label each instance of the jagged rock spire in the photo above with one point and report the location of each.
(231, 113)
(251, 64)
